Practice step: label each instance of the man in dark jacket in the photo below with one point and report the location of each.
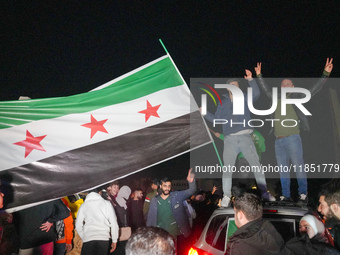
(36, 226)
(288, 144)
(135, 210)
(255, 235)
(167, 209)
(329, 207)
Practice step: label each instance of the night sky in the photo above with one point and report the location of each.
(62, 48)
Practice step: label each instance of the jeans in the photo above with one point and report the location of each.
(289, 149)
(233, 145)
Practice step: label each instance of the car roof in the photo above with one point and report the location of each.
(275, 208)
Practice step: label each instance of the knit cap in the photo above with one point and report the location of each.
(317, 225)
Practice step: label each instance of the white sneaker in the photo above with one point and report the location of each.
(303, 197)
(303, 200)
(268, 197)
(225, 201)
(285, 199)
(271, 198)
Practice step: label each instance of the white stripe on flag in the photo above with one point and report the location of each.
(66, 133)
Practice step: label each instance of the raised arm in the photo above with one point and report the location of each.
(191, 176)
(192, 185)
(261, 82)
(252, 83)
(326, 72)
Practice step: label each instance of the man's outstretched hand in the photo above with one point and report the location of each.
(191, 176)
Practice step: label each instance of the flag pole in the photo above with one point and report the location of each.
(160, 40)
(218, 155)
(213, 142)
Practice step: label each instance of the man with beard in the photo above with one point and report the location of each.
(135, 210)
(167, 210)
(329, 207)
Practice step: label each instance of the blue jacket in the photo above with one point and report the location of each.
(178, 209)
(225, 112)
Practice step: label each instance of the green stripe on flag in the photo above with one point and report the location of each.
(153, 78)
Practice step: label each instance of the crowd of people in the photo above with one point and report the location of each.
(105, 219)
(114, 219)
(256, 235)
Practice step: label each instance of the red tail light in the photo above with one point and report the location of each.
(270, 211)
(192, 251)
(196, 251)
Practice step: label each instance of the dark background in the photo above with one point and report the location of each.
(61, 48)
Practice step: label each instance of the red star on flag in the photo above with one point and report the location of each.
(96, 126)
(31, 143)
(150, 111)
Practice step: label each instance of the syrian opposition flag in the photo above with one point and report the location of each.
(60, 146)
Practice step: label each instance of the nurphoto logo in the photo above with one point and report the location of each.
(238, 100)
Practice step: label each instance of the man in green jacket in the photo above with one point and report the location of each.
(288, 144)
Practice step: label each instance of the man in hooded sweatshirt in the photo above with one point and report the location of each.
(96, 221)
(255, 235)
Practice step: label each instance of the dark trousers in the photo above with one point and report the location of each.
(120, 250)
(59, 249)
(95, 247)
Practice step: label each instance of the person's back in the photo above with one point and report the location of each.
(29, 222)
(255, 235)
(94, 219)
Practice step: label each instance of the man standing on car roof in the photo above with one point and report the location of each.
(237, 138)
(288, 144)
(255, 235)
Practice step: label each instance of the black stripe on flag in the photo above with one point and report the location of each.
(84, 168)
